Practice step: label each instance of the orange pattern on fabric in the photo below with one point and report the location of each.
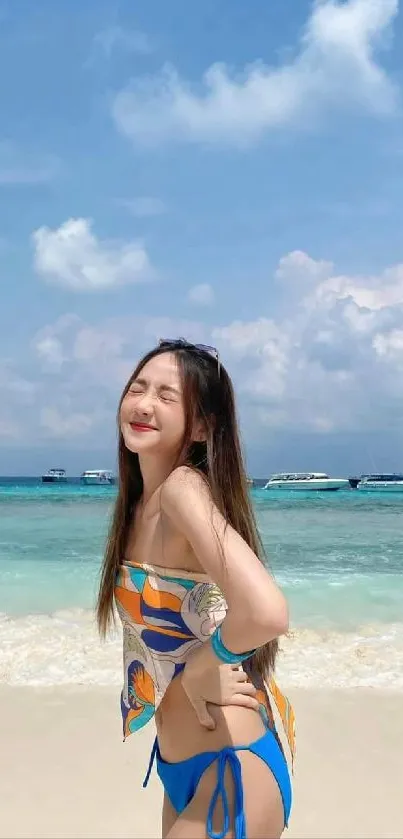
(287, 715)
(131, 602)
(160, 599)
(144, 686)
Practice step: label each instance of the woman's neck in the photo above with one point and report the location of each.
(154, 471)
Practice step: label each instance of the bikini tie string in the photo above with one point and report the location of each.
(151, 763)
(228, 757)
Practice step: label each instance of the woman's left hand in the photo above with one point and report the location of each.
(206, 680)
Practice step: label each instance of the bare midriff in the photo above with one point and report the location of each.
(181, 736)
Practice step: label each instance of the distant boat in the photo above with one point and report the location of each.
(249, 481)
(382, 482)
(93, 477)
(55, 476)
(318, 481)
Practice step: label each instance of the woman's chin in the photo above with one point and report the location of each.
(143, 442)
(137, 442)
(140, 446)
(150, 442)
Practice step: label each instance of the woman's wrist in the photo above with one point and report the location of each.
(223, 653)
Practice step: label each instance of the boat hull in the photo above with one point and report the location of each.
(381, 486)
(97, 481)
(48, 479)
(309, 486)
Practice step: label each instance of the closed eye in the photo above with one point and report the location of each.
(167, 397)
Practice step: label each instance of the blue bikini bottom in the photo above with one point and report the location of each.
(180, 780)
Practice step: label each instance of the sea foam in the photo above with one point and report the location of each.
(64, 649)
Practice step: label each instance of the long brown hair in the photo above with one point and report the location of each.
(208, 396)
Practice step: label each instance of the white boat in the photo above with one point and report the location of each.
(54, 476)
(318, 481)
(94, 477)
(383, 482)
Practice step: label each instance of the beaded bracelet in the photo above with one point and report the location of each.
(223, 653)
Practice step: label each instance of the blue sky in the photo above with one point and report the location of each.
(193, 169)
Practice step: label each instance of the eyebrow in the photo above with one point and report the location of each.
(144, 382)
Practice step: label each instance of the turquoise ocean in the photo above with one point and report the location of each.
(338, 557)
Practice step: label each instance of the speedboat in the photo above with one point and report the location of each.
(383, 482)
(306, 481)
(55, 476)
(94, 477)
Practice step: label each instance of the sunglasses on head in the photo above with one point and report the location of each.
(182, 343)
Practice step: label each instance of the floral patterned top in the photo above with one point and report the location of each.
(166, 613)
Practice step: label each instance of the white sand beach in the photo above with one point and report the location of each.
(66, 773)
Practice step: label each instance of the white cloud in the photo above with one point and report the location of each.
(390, 345)
(328, 363)
(201, 295)
(92, 344)
(61, 424)
(19, 395)
(22, 167)
(50, 349)
(49, 344)
(15, 386)
(301, 268)
(83, 350)
(335, 66)
(373, 293)
(73, 257)
(74, 375)
(266, 346)
(144, 206)
(248, 338)
(334, 362)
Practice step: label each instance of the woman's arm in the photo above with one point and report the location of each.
(257, 610)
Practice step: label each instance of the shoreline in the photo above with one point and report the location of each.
(63, 648)
(66, 761)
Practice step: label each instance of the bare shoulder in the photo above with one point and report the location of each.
(187, 502)
(184, 483)
(185, 492)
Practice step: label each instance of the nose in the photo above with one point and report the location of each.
(144, 405)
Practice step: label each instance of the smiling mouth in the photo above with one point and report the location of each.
(140, 426)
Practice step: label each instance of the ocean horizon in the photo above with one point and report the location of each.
(337, 556)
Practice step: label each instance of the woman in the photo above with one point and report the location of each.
(184, 569)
